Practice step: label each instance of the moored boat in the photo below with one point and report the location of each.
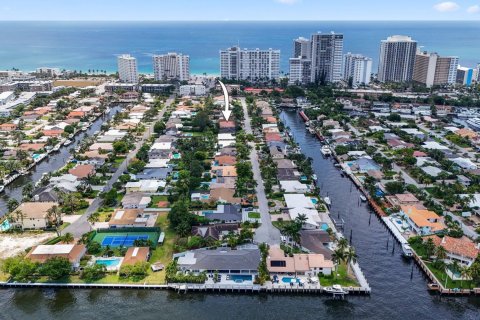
(325, 150)
(327, 201)
(67, 142)
(363, 198)
(336, 289)
(407, 250)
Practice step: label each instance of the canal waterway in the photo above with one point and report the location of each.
(52, 162)
(397, 293)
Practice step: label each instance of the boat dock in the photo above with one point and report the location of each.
(192, 287)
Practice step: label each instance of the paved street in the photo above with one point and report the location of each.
(267, 232)
(81, 226)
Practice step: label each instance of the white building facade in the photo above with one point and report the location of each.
(327, 57)
(249, 64)
(358, 68)
(397, 58)
(193, 90)
(127, 68)
(171, 66)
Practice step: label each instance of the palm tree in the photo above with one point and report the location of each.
(301, 219)
(27, 190)
(338, 256)
(68, 237)
(342, 244)
(350, 256)
(464, 273)
(19, 216)
(441, 253)
(54, 213)
(12, 204)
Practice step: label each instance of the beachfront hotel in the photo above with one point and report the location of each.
(249, 64)
(127, 68)
(431, 69)
(358, 68)
(397, 59)
(171, 66)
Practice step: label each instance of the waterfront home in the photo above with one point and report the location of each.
(431, 171)
(215, 232)
(33, 215)
(285, 164)
(136, 255)
(47, 194)
(72, 252)
(148, 186)
(293, 186)
(31, 146)
(104, 146)
(316, 241)
(287, 174)
(136, 200)
(421, 221)
(308, 264)
(363, 165)
(82, 171)
(276, 152)
(404, 199)
(224, 195)
(242, 261)
(461, 249)
(132, 218)
(66, 181)
(397, 144)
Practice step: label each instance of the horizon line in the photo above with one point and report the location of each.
(241, 20)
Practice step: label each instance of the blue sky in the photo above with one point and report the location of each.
(240, 10)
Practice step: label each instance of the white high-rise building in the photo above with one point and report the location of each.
(327, 57)
(358, 68)
(302, 48)
(249, 64)
(300, 64)
(397, 58)
(171, 66)
(431, 69)
(127, 68)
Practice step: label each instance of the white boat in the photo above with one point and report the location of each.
(67, 142)
(314, 177)
(56, 148)
(325, 150)
(84, 128)
(407, 250)
(327, 201)
(363, 198)
(2, 188)
(335, 289)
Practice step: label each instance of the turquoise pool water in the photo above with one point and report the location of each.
(314, 201)
(290, 280)
(35, 156)
(108, 262)
(239, 278)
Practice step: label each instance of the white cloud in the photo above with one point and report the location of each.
(288, 1)
(474, 9)
(446, 6)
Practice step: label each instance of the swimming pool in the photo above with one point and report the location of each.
(314, 201)
(108, 262)
(239, 278)
(290, 280)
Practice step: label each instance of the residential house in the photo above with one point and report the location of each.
(132, 218)
(136, 255)
(423, 222)
(215, 232)
(73, 252)
(242, 261)
(33, 215)
(82, 171)
(136, 200)
(462, 250)
(149, 186)
(227, 213)
(308, 264)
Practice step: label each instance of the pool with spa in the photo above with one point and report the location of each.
(239, 278)
(290, 280)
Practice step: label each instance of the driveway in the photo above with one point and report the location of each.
(267, 232)
(81, 225)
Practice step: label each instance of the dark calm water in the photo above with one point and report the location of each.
(394, 296)
(54, 162)
(93, 45)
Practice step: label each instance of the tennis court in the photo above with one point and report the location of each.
(124, 239)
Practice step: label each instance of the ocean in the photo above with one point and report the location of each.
(94, 45)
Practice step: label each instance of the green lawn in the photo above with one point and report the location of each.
(156, 199)
(254, 215)
(340, 277)
(451, 284)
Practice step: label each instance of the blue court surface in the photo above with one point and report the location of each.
(122, 240)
